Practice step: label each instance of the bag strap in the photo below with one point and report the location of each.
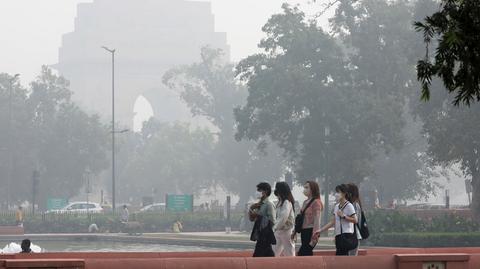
(308, 205)
(341, 209)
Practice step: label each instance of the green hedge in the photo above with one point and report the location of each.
(419, 240)
(78, 223)
(387, 221)
(396, 229)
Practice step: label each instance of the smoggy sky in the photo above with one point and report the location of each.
(31, 30)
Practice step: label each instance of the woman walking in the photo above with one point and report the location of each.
(357, 204)
(263, 214)
(310, 219)
(344, 220)
(284, 224)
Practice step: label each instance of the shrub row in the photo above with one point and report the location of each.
(398, 229)
(423, 240)
(151, 222)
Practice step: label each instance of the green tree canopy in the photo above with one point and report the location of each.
(166, 158)
(209, 89)
(454, 31)
(51, 135)
(303, 95)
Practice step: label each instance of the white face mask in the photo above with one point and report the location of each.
(305, 192)
(259, 194)
(337, 196)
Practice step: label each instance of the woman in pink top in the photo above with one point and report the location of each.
(312, 208)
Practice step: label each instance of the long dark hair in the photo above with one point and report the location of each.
(282, 190)
(355, 193)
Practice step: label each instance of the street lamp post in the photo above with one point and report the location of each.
(88, 174)
(326, 212)
(10, 140)
(112, 51)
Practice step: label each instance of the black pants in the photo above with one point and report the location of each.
(306, 249)
(263, 248)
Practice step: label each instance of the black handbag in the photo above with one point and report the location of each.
(346, 241)
(299, 218)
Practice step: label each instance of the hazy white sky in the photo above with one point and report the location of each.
(31, 30)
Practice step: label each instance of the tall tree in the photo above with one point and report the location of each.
(453, 137)
(54, 137)
(167, 158)
(15, 153)
(69, 142)
(382, 47)
(302, 95)
(210, 90)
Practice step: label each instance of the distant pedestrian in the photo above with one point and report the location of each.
(26, 246)
(344, 218)
(93, 228)
(377, 200)
(263, 214)
(285, 218)
(125, 214)
(177, 227)
(308, 221)
(19, 216)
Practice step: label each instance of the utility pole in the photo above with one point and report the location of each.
(10, 138)
(36, 182)
(112, 51)
(326, 213)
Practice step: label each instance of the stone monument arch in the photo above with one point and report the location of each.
(150, 37)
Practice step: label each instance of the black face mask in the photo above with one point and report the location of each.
(275, 192)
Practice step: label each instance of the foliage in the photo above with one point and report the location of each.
(427, 240)
(393, 221)
(167, 158)
(381, 48)
(301, 85)
(51, 135)
(160, 222)
(209, 89)
(455, 29)
(453, 138)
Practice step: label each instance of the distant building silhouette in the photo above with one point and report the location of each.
(150, 36)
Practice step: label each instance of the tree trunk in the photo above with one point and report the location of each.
(475, 207)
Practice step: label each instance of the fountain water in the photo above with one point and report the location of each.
(13, 248)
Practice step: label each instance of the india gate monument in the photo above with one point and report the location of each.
(150, 37)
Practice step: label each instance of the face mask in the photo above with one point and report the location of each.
(275, 192)
(259, 194)
(337, 196)
(305, 192)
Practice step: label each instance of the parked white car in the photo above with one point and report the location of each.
(157, 207)
(79, 207)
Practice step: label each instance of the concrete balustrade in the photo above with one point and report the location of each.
(11, 230)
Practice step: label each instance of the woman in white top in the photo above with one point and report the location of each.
(285, 219)
(357, 204)
(344, 220)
